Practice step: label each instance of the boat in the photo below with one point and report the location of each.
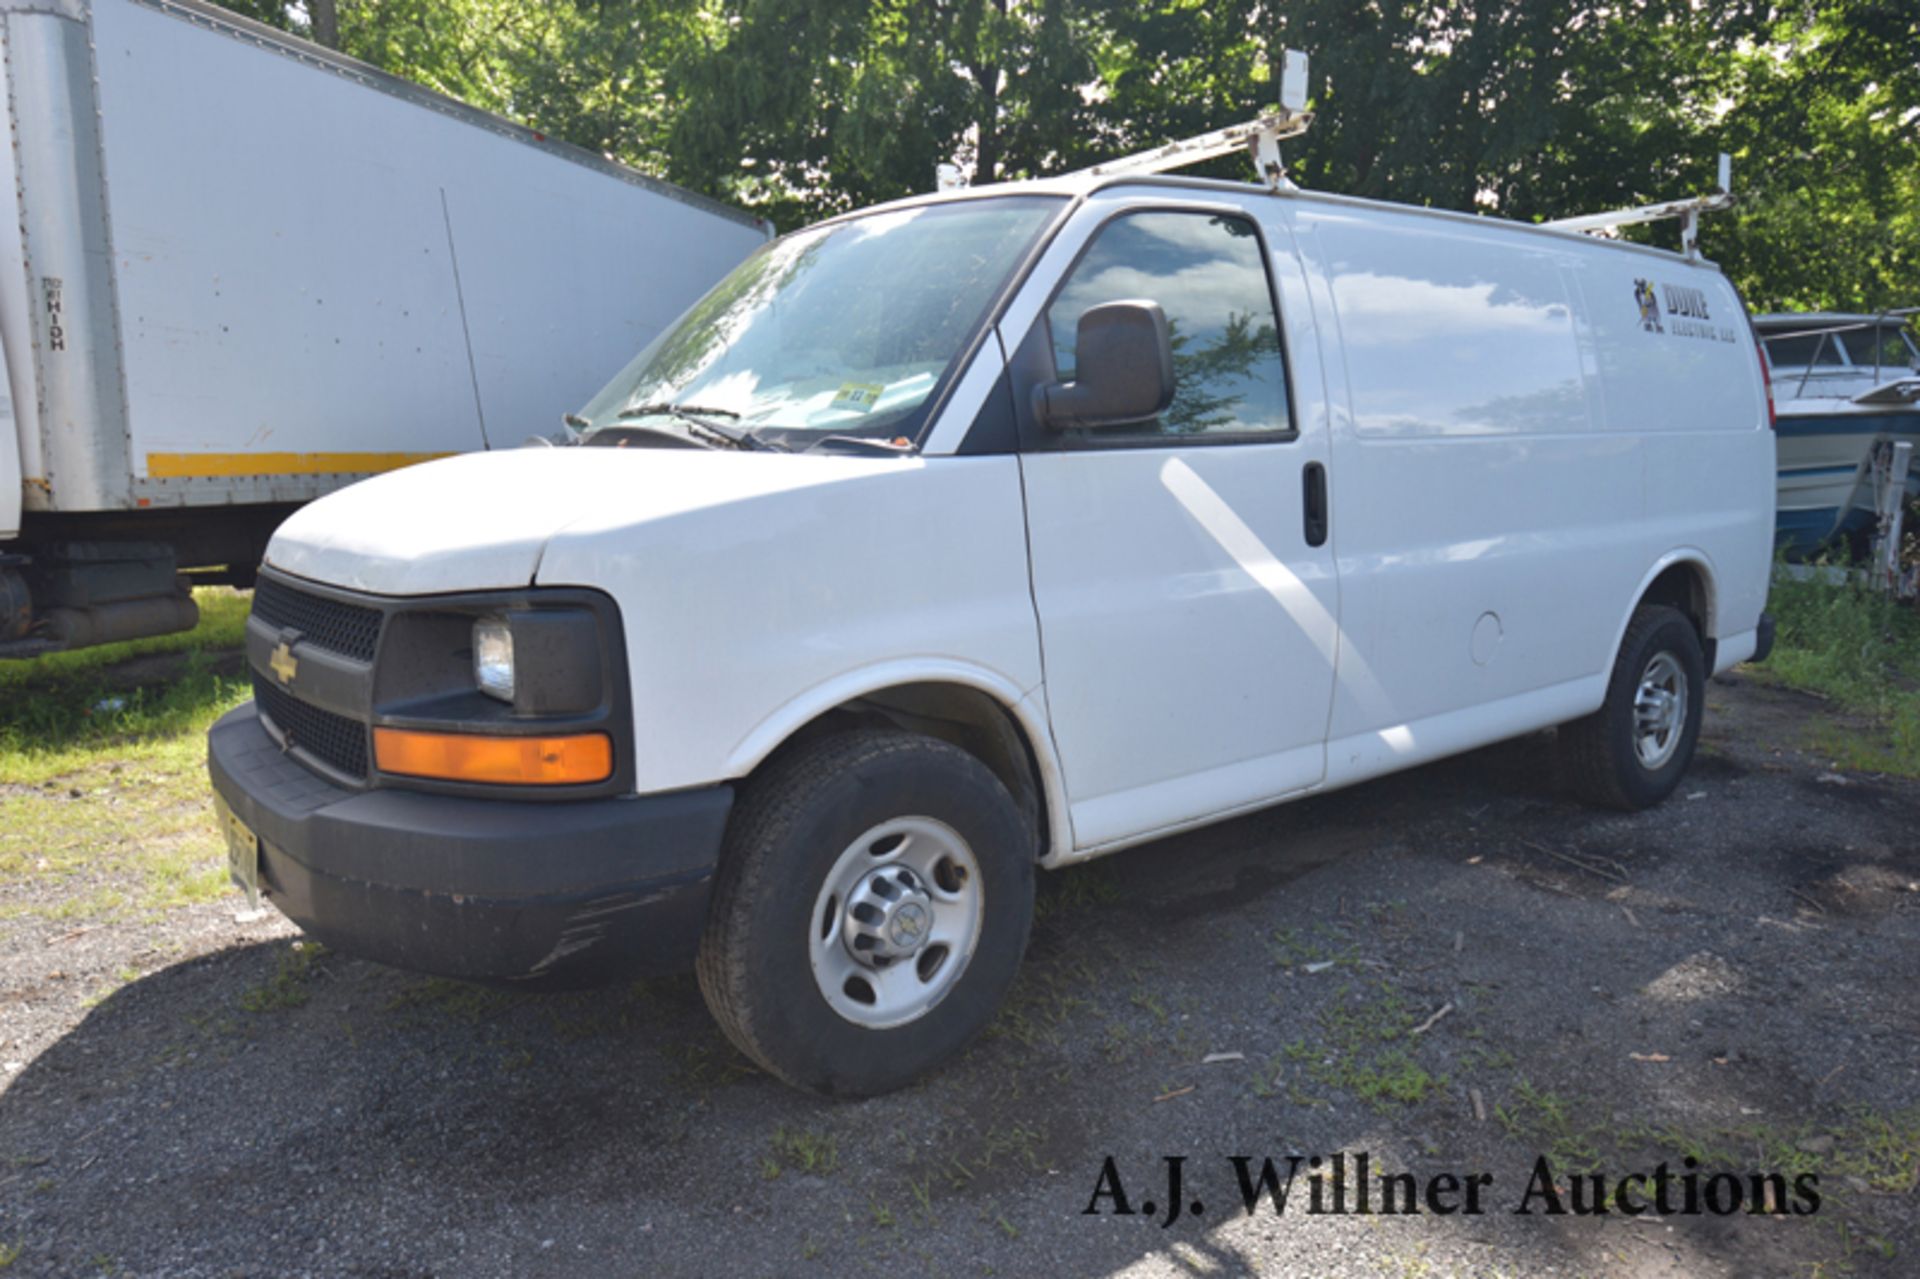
(1841, 384)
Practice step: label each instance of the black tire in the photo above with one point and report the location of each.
(1598, 754)
(790, 825)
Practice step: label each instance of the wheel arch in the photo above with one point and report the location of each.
(1682, 579)
(977, 710)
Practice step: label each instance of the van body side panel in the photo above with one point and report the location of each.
(1495, 518)
(750, 609)
(72, 315)
(1477, 503)
(1678, 367)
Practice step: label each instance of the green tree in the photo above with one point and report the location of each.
(1527, 109)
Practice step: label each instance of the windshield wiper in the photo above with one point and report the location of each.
(700, 418)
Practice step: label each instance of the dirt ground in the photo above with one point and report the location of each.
(1457, 970)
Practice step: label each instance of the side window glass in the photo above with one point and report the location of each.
(1206, 272)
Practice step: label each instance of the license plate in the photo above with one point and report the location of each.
(243, 852)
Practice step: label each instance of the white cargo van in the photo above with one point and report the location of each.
(987, 532)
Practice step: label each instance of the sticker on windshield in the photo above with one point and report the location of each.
(858, 397)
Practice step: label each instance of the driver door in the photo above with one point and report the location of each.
(1182, 568)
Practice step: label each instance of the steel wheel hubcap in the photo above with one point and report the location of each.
(896, 922)
(1659, 711)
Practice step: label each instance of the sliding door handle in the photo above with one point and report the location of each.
(1313, 503)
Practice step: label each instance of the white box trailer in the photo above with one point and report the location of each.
(247, 271)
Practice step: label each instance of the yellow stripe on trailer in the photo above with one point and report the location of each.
(181, 466)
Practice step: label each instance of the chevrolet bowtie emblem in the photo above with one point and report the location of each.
(284, 663)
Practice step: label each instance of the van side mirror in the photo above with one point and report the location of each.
(1123, 370)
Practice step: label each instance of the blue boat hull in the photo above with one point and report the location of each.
(1822, 497)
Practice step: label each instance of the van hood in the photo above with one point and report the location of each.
(482, 521)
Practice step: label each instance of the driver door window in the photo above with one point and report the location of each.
(1207, 271)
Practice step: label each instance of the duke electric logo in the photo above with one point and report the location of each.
(1648, 304)
(1686, 311)
(1343, 1185)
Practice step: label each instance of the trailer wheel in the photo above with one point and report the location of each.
(1631, 753)
(871, 908)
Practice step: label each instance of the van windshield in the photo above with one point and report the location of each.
(845, 329)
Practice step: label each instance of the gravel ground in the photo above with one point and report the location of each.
(1729, 977)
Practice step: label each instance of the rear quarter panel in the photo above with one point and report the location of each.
(1518, 459)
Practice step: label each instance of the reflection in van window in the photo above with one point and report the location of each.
(1206, 272)
(1452, 334)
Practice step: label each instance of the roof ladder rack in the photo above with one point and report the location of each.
(1688, 211)
(1260, 137)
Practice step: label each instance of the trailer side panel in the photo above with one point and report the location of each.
(323, 275)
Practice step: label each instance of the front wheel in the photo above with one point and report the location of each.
(1631, 753)
(872, 906)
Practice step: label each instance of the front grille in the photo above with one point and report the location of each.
(350, 630)
(335, 740)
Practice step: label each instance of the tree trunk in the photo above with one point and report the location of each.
(326, 22)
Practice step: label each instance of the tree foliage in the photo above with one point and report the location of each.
(1521, 108)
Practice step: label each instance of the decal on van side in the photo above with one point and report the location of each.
(1686, 312)
(1649, 305)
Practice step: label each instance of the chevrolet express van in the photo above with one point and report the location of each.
(989, 532)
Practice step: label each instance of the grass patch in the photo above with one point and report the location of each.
(104, 811)
(1860, 649)
(1368, 1049)
(802, 1151)
(59, 711)
(287, 988)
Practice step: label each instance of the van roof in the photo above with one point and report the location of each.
(1081, 185)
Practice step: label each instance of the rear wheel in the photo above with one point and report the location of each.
(871, 909)
(1632, 752)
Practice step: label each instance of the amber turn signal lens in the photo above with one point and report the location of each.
(518, 761)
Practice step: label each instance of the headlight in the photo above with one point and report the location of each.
(493, 657)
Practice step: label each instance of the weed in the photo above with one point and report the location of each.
(1266, 1079)
(1881, 1150)
(803, 1151)
(1075, 889)
(922, 1195)
(702, 1068)
(287, 988)
(1546, 1120)
(461, 1000)
(1295, 948)
(1367, 1050)
(1144, 998)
